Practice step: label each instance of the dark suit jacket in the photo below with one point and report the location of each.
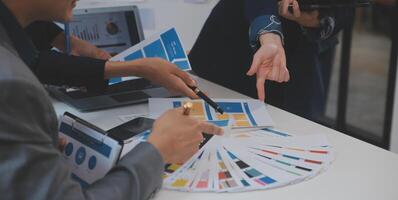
(60, 69)
(222, 54)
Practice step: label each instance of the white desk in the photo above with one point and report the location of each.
(361, 171)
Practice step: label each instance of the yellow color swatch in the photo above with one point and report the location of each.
(180, 183)
(224, 116)
(222, 165)
(242, 123)
(174, 167)
(197, 109)
(239, 116)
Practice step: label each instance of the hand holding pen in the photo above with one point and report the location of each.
(206, 99)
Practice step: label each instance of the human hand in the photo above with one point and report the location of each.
(177, 136)
(157, 70)
(269, 63)
(168, 75)
(306, 19)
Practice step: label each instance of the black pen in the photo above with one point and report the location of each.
(206, 99)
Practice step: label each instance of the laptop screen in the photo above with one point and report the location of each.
(113, 31)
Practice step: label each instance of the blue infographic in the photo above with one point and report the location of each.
(89, 153)
(166, 45)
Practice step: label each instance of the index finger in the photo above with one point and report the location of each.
(183, 87)
(185, 77)
(260, 88)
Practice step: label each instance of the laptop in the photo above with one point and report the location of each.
(113, 29)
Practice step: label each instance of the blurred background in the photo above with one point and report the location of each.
(359, 100)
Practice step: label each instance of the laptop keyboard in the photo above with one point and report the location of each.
(115, 90)
(132, 96)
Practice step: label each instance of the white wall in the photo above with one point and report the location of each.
(394, 130)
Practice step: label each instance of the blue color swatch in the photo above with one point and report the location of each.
(155, 50)
(183, 65)
(231, 107)
(80, 155)
(134, 56)
(173, 45)
(267, 180)
(89, 141)
(69, 149)
(92, 162)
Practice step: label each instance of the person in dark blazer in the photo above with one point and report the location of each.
(229, 41)
(31, 166)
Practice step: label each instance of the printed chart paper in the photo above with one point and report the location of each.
(166, 45)
(238, 113)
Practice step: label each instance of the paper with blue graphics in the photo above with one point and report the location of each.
(89, 153)
(239, 113)
(166, 45)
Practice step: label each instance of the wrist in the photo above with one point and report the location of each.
(159, 146)
(270, 38)
(121, 69)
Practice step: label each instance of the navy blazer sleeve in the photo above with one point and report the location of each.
(263, 18)
(332, 21)
(61, 69)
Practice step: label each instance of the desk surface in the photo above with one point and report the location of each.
(360, 171)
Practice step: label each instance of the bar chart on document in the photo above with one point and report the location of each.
(256, 157)
(87, 33)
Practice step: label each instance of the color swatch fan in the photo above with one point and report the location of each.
(247, 161)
